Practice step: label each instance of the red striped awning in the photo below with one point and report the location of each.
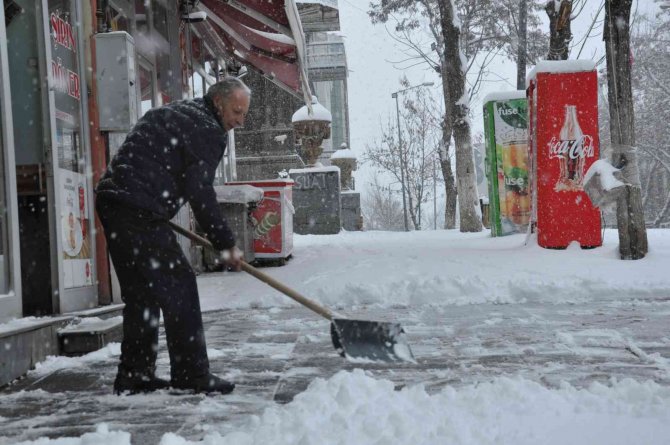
(266, 34)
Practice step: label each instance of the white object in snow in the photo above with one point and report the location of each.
(238, 194)
(319, 113)
(603, 183)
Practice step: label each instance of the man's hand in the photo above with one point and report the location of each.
(232, 258)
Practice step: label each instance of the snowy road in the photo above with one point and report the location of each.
(514, 344)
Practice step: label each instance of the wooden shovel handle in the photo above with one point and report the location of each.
(248, 268)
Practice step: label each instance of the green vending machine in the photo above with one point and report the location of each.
(506, 139)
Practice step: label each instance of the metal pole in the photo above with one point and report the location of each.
(402, 171)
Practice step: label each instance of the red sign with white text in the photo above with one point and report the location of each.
(564, 126)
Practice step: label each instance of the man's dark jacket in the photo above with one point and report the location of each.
(170, 157)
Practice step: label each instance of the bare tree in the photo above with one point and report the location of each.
(488, 28)
(382, 210)
(651, 96)
(412, 159)
(630, 216)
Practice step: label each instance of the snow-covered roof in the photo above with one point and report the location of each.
(239, 194)
(319, 113)
(561, 66)
(344, 154)
(505, 95)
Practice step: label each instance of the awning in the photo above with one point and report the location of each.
(266, 34)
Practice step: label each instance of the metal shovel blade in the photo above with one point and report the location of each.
(370, 340)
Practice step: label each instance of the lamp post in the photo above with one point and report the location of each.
(402, 169)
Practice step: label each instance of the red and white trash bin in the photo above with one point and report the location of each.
(273, 219)
(563, 112)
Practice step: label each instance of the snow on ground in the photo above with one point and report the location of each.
(446, 268)
(354, 408)
(436, 270)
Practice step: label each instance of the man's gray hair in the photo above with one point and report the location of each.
(224, 88)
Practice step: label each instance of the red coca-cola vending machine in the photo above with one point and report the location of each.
(563, 110)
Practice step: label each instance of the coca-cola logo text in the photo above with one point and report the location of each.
(579, 148)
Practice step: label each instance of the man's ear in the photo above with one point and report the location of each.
(218, 103)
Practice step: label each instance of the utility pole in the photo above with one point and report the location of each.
(402, 168)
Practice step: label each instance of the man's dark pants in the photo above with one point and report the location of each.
(154, 276)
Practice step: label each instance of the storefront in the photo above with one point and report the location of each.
(54, 147)
(50, 153)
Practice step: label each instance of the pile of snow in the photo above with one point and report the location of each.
(56, 362)
(102, 436)
(607, 173)
(354, 408)
(443, 268)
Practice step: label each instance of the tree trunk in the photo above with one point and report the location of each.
(457, 110)
(559, 28)
(522, 50)
(449, 183)
(630, 215)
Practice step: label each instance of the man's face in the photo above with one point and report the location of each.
(234, 109)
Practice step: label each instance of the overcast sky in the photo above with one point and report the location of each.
(373, 76)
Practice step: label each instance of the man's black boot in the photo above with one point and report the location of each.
(206, 383)
(138, 383)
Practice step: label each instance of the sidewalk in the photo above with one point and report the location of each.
(274, 354)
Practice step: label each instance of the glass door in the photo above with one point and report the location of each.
(10, 273)
(71, 221)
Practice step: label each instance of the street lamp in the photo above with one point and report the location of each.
(402, 170)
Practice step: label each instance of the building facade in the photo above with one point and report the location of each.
(62, 118)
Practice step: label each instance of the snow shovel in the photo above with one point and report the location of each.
(358, 340)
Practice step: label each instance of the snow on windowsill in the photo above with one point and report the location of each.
(316, 169)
